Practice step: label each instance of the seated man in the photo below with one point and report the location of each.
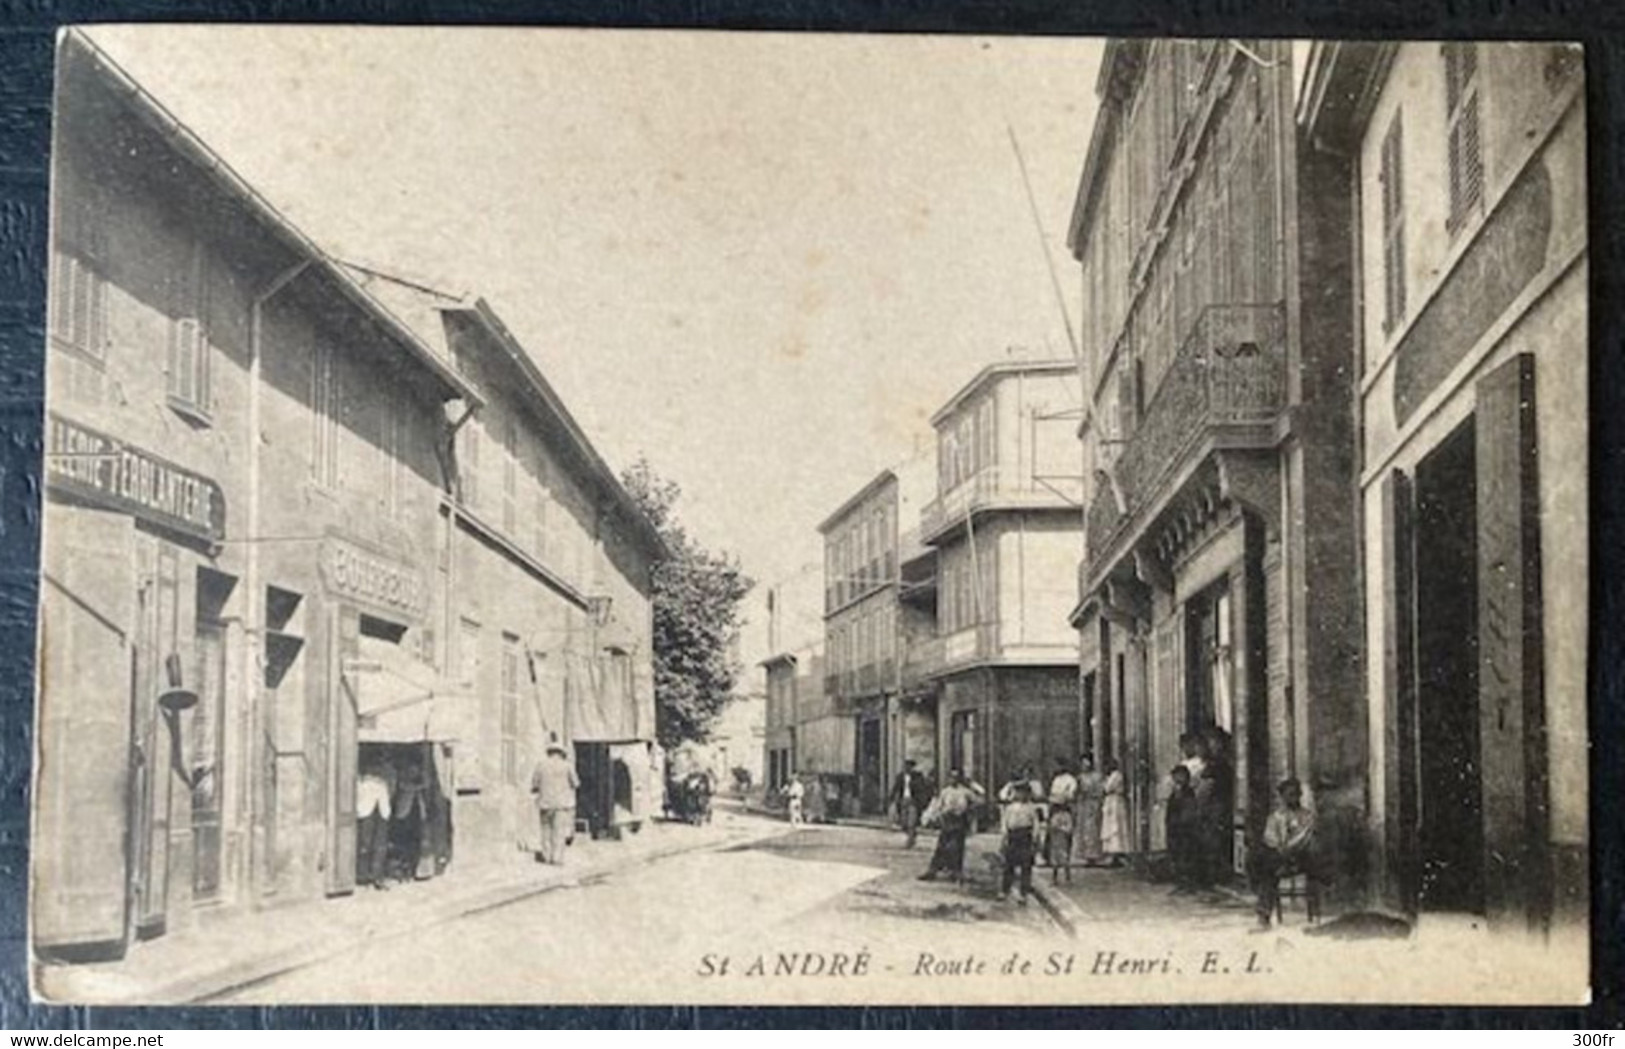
(1287, 849)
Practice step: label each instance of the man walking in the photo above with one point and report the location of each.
(372, 828)
(553, 785)
(909, 795)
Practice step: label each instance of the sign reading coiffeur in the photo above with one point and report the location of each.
(355, 572)
(105, 471)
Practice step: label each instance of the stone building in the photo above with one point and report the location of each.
(999, 664)
(1217, 589)
(242, 475)
(1456, 175)
(865, 631)
(548, 565)
(266, 566)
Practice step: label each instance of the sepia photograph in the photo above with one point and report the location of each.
(593, 516)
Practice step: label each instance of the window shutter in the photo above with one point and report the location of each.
(1472, 176)
(1393, 230)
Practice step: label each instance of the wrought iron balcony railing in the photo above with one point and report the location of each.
(1226, 387)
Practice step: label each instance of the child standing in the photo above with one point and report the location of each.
(1019, 821)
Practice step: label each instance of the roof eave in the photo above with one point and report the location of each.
(993, 371)
(856, 500)
(194, 151)
(654, 544)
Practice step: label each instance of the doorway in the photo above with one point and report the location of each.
(1449, 791)
(870, 796)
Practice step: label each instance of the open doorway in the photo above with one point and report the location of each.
(1449, 792)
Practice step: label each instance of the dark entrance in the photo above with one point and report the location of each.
(870, 795)
(1449, 797)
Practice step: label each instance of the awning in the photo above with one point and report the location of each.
(598, 700)
(400, 700)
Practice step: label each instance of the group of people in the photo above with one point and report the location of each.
(1080, 818)
(804, 800)
(1199, 813)
(403, 816)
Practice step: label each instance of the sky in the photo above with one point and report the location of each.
(760, 260)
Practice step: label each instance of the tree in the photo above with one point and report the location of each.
(697, 596)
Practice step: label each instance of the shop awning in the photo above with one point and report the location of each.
(599, 700)
(400, 700)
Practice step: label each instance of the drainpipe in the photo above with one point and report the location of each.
(448, 613)
(254, 610)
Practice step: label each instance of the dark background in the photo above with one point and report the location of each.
(27, 29)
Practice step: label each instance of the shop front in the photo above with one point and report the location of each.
(139, 617)
(1177, 652)
(614, 758)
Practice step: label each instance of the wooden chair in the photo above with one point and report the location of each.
(1296, 883)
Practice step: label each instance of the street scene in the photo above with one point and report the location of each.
(555, 516)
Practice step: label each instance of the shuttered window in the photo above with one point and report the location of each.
(1466, 148)
(186, 379)
(1393, 225)
(78, 306)
(324, 414)
(510, 477)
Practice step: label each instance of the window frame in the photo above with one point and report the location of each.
(1391, 178)
(188, 367)
(1464, 123)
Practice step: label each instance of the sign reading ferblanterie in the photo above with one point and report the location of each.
(89, 465)
(359, 574)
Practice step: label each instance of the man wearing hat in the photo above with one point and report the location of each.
(553, 785)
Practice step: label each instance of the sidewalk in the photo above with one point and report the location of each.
(245, 948)
(1123, 896)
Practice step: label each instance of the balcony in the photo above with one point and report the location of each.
(867, 680)
(1225, 389)
(945, 653)
(992, 490)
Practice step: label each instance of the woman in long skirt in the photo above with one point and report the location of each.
(1091, 796)
(1114, 835)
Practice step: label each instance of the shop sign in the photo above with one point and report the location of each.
(91, 466)
(354, 572)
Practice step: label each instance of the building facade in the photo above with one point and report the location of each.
(216, 387)
(999, 664)
(792, 633)
(866, 629)
(549, 568)
(261, 553)
(1217, 428)
(1463, 175)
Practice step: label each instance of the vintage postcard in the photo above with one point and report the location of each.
(587, 516)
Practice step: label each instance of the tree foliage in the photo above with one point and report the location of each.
(697, 597)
